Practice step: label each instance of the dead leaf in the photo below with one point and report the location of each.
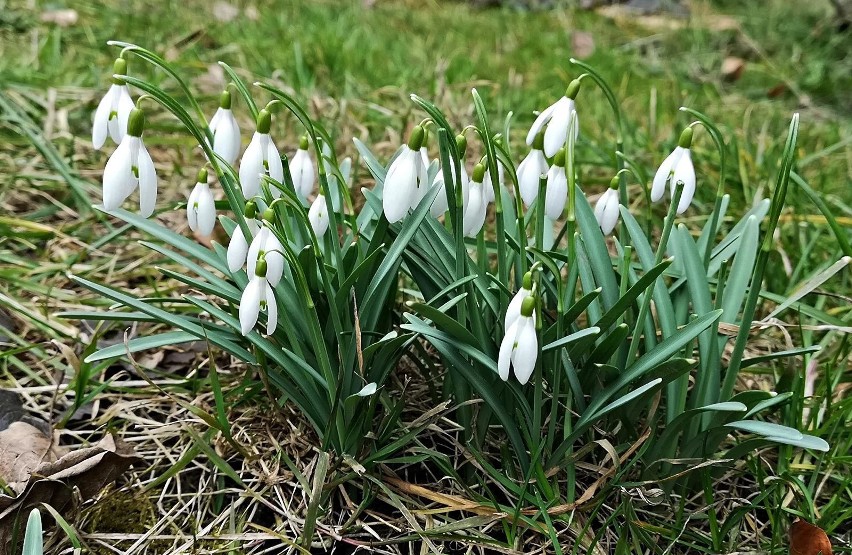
(63, 18)
(36, 470)
(807, 539)
(582, 44)
(732, 68)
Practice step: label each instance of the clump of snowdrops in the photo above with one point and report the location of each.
(564, 319)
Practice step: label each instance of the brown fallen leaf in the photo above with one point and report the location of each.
(807, 539)
(732, 68)
(35, 470)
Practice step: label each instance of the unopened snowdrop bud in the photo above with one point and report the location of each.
(519, 349)
(267, 246)
(238, 246)
(606, 209)
(513, 312)
(531, 169)
(129, 167)
(201, 207)
(556, 192)
(474, 212)
(677, 170)
(302, 170)
(405, 181)
(258, 296)
(557, 117)
(318, 216)
(226, 132)
(113, 109)
(260, 158)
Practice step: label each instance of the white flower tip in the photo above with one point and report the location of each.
(368, 390)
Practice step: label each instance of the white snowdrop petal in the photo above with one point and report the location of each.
(238, 249)
(556, 193)
(557, 127)
(540, 122)
(400, 186)
(100, 127)
(191, 208)
(271, 309)
(473, 217)
(318, 216)
(251, 166)
(123, 108)
(504, 357)
(118, 180)
(658, 187)
(250, 304)
(526, 351)
(206, 211)
(513, 312)
(147, 182)
(684, 173)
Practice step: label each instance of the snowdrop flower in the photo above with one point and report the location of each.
(474, 212)
(201, 208)
(129, 167)
(441, 203)
(556, 193)
(531, 169)
(238, 246)
(606, 209)
(513, 312)
(266, 246)
(226, 132)
(318, 216)
(258, 296)
(519, 349)
(677, 169)
(558, 117)
(113, 109)
(405, 182)
(488, 186)
(302, 170)
(260, 158)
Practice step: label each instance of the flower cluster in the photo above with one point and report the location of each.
(255, 243)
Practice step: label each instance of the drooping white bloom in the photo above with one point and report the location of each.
(474, 214)
(513, 312)
(606, 210)
(201, 207)
(556, 192)
(405, 182)
(318, 216)
(226, 131)
(130, 167)
(113, 110)
(266, 246)
(261, 157)
(530, 171)
(519, 348)
(488, 186)
(424, 155)
(257, 296)
(441, 203)
(676, 169)
(558, 116)
(238, 246)
(302, 170)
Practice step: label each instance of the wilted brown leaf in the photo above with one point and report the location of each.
(732, 68)
(35, 470)
(807, 539)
